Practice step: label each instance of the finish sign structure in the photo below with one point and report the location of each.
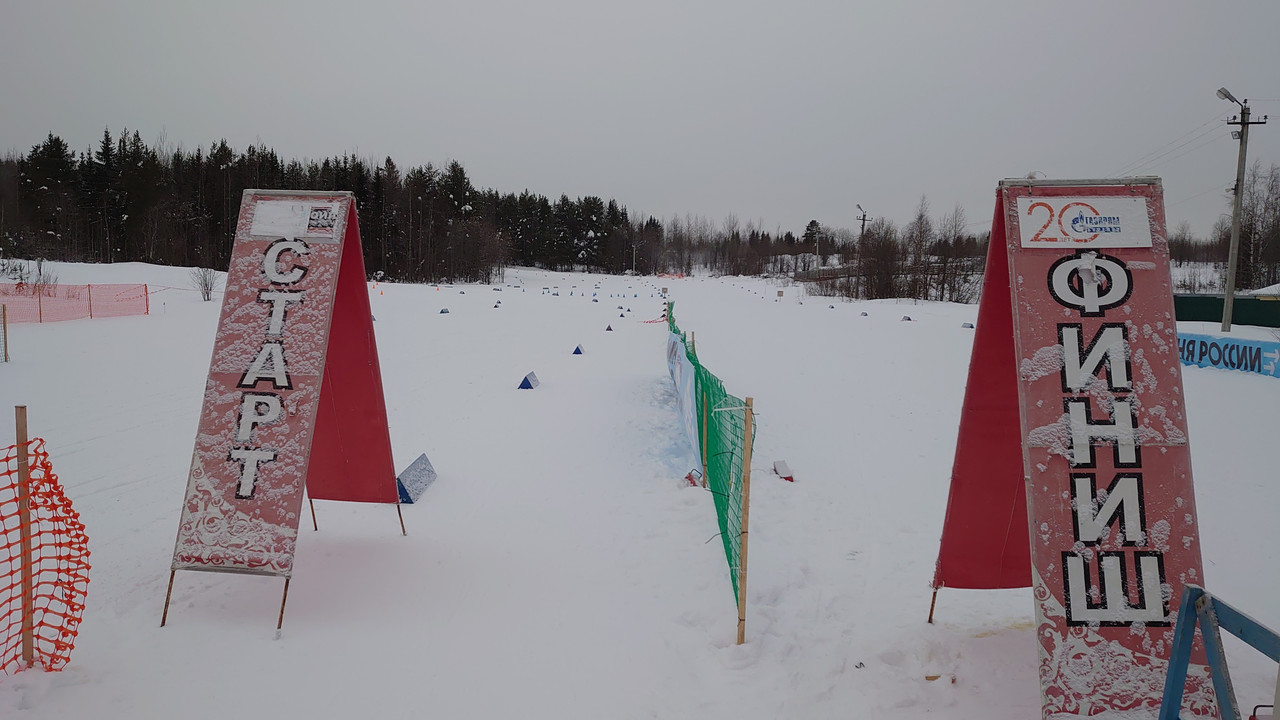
(1072, 471)
(294, 396)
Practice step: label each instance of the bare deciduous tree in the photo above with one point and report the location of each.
(205, 280)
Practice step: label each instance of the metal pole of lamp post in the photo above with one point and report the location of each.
(1233, 255)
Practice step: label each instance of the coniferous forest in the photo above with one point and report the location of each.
(128, 201)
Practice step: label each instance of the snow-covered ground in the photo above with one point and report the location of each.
(559, 568)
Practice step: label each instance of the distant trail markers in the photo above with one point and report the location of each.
(294, 396)
(1074, 415)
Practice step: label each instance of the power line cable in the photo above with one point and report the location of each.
(1145, 157)
(1215, 187)
(1169, 147)
(1190, 150)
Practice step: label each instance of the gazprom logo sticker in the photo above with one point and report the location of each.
(1083, 222)
(1082, 225)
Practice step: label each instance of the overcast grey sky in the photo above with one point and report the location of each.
(775, 112)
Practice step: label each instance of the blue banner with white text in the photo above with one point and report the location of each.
(1257, 356)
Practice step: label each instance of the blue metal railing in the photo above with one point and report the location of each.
(1213, 615)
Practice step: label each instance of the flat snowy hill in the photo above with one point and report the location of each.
(560, 568)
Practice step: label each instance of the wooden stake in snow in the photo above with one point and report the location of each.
(24, 532)
(703, 445)
(168, 595)
(283, 599)
(748, 416)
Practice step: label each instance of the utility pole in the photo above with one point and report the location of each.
(863, 218)
(1229, 295)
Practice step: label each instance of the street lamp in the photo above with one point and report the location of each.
(1229, 294)
(863, 219)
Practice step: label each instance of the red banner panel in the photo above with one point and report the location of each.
(1112, 521)
(984, 536)
(262, 400)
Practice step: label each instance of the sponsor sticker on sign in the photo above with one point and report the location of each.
(1083, 222)
(292, 219)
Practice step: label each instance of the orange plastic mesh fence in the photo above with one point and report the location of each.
(50, 303)
(59, 564)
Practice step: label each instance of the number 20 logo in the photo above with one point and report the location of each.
(1061, 215)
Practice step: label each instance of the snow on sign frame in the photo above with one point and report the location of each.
(294, 344)
(1113, 526)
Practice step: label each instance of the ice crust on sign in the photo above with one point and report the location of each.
(219, 528)
(214, 533)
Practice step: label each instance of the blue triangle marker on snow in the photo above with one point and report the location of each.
(609, 328)
(529, 382)
(622, 314)
(415, 480)
(444, 311)
(577, 350)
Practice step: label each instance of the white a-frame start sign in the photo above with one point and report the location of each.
(294, 396)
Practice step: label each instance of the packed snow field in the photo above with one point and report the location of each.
(559, 567)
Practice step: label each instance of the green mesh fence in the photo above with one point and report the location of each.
(722, 437)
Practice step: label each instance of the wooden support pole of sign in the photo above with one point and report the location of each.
(4, 329)
(312, 503)
(24, 533)
(283, 598)
(167, 596)
(746, 508)
(932, 603)
(90, 291)
(403, 532)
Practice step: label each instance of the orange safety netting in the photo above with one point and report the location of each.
(50, 303)
(58, 564)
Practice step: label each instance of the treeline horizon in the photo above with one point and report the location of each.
(126, 201)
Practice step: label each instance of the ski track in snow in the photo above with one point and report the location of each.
(559, 568)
